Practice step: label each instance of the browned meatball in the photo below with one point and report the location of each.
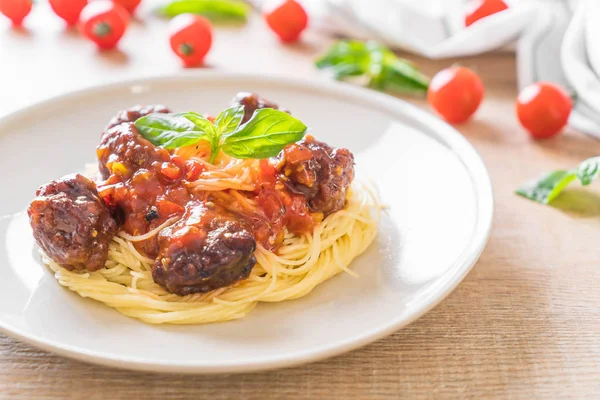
(318, 171)
(135, 112)
(124, 145)
(205, 250)
(136, 185)
(72, 224)
(251, 103)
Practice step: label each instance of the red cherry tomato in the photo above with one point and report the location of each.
(455, 93)
(287, 18)
(543, 109)
(170, 171)
(129, 5)
(190, 37)
(193, 170)
(483, 8)
(68, 10)
(166, 207)
(16, 10)
(104, 22)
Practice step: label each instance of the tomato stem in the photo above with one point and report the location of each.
(186, 49)
(102, 29)
(214, 152)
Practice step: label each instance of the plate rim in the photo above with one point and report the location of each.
(445, 133)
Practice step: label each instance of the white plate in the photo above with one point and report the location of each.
(439, 217)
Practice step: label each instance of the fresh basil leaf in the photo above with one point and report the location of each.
(216, 10)
(403, 84)
(390, 72)
(264, 135)
(212, 136)
(199, 121)
(588, 170)
(344, 51)
(382, 68)
(340, 71)
(376, 68)
(548, 187)
(174, 130)
(551, 185)
(184, 139)
(404, 75)
(229, 120)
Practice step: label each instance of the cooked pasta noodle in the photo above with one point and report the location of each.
(297, 267)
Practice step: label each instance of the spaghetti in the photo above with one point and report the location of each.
(302, 263)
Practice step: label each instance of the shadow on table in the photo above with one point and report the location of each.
(578, 203)
(20, 31)
(571, 143)
(484, 131)
(113, 56)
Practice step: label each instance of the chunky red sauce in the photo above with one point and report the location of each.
(143, 182)
(281, 207)
(147, 184)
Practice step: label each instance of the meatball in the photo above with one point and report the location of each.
(135, 112)
(205, 250)
(72, 224)
(251, 103)
(123, 151)
(142, 183)
(319, 172)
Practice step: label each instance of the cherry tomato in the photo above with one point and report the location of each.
(16, 10)
(68, 10)
(104, 23)
(190, 37)
(266, 174)
(483, 8)
(167, 208)
(178, 161)
(287, 18)
(170, 171)
(455, 93)
(193, 170)
(129, 5)
(543, 109)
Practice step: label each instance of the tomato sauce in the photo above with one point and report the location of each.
(146, 184)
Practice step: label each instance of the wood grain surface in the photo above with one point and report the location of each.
(525, 322)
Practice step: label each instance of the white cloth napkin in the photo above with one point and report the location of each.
(555, 40)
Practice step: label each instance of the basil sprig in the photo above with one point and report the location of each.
(263, 136)
(547, 188)
(215, 10)
(382, 68)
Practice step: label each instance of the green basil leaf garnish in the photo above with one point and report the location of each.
(229, 120)
(588, 170)
(215, 10)
(212, 134)
(547, 188)
(264, 135)
(175, 130)
(382, 69)
(403, 76)
(344, 51)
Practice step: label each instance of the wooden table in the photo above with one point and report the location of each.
(525, 322)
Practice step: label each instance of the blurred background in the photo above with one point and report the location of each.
(44, 49)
